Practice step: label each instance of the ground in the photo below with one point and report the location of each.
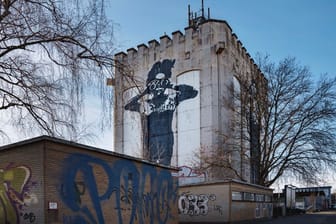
(324, 217)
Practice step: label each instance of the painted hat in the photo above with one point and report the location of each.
(161, 70)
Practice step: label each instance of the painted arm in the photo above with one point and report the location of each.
(185, 92)
(134, 104)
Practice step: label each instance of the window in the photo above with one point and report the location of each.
(259, 197)
(248, 196)
(237, 196)
(268, 198)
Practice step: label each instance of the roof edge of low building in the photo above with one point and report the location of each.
(227, 181)
(78, 145)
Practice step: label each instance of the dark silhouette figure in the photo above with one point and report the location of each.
(158, 102)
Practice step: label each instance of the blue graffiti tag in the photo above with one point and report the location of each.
(144, 192)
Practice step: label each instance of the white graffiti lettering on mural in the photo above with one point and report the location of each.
(168, 104)
(194, 204)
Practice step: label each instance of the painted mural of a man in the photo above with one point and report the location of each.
(158, 102)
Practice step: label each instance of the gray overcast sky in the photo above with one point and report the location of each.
(305, 29)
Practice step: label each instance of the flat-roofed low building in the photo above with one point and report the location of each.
(313, 198)
(224, 202)
(48, 180)
(294, 200)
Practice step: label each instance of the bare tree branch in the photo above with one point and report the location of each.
(287, 123)
(51, 54)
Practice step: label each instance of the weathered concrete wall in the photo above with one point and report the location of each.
(204, 203)
(22, 184)
(256, 202)
(219, 59)
(52, 181)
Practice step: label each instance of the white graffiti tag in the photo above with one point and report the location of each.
(194, 205)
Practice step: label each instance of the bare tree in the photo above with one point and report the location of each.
(299, 126)
(283, 125)
(52, 54)
(236, 153)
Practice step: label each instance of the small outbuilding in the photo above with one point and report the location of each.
(49, 180)
(313, 198)
(224, 202)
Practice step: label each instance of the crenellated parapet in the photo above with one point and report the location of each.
(212, 36)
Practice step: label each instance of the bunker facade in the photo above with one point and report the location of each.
(175, 100)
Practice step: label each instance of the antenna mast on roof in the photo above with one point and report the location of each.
(196, 18)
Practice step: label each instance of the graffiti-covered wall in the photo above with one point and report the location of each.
(204, 203)
(102, 188)
(47, 180)
(21, 185)
(223, 202)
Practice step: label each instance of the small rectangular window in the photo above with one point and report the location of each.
(268, 198)
(248, 196)
(260, 197)
(237, 196)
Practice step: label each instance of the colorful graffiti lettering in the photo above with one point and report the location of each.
(144, 193)
(14, 193)
(188, 175)
(186, 171)
(158, 102)
(193, 204)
